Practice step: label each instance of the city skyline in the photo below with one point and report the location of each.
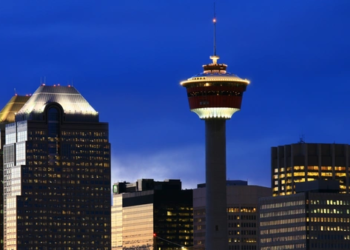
(127, 59)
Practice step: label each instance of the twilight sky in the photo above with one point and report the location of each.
(128, 57)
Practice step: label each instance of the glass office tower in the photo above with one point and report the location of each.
(7, 115)
(57, 174)
(306, 162)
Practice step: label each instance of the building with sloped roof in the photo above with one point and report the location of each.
(57, 174)
(7, 115)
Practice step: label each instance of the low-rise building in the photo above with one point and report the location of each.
(317, 217)
(149, 215)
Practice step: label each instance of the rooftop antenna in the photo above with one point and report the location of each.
(214, 22)
(214, 57)
(302, 138)
(15, 91)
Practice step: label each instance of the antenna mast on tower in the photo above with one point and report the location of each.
(214, 22)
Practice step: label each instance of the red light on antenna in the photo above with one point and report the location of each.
(68, 86)
(154, 235)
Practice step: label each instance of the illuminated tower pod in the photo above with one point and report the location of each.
(215, 95)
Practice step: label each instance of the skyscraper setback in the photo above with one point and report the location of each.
(215, 95)
(7, 115)
(57, 174)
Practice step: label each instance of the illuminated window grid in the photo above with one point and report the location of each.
(318, 164)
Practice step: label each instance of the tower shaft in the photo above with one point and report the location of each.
(216, 207)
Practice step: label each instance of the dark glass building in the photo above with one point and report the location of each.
(306, 162)
(57, 174)
(150, 215)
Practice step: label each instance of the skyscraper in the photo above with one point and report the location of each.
(57, 174)
(304, 162)
(7, 115)
(215, 95)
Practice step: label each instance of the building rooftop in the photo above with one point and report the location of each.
(146, 185)
(8, 113)
(73, 103)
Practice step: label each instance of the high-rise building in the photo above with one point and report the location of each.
(215, 95)
(303, 162)
(242, 215)
(7, 115)
(57, 174)
(316, 217)
(150, 215)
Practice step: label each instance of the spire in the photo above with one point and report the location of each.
(214, 22)
(214, 57)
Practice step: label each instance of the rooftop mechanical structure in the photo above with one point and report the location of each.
(215, 95)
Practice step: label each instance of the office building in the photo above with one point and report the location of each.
(215, 95)
(57, 174)
(304, 162)
(316, 217)
(242, 215)
(151, 215)
(7, 115)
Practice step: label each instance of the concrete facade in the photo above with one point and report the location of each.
(312, 220)
(241, 216)
(215, 152)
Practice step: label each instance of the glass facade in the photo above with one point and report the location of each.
(138, 227)
(305, 162)
(56, 183)
(7, 115)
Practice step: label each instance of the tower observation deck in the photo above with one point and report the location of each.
(215, 95)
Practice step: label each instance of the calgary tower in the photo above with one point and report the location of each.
(215, 95)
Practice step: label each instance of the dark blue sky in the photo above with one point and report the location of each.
(128, 57)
